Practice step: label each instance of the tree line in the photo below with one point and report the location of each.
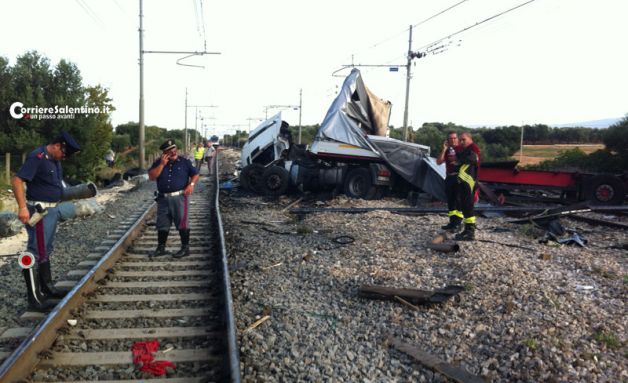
(33, 81)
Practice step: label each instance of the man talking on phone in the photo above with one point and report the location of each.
(176, 177)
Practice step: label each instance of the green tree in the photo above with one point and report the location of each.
(616, 137)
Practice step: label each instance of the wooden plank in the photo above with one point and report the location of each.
(432, 362)
(149, 284)
(94, 256)
(65, 285)
(87, 264)
(141, 333)
(137, 249)
(160, 273)
(32, 316)
(77, 273)
(134, 314)
(16, 332)
(152, 297)
(60, 359)
(164, 264)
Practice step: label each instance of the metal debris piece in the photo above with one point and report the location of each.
(430, 361)
(414, 296)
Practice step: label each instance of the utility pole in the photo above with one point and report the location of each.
(521, 146)
(185, 134)
(141, 132)
(141, 63)
(408, 76)
(195, 118)
(300, 109)
(393, 68)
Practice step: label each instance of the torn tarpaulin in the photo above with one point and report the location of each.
(143, 357)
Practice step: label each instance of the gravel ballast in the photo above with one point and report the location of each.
(74, 240)
(546, 313)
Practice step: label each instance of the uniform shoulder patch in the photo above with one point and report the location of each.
(40, 155)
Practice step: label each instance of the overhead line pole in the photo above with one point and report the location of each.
(408, 76)
(142, 153)
(300, 109)
(141, 128)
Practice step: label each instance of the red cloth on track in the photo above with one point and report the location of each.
(143, 353)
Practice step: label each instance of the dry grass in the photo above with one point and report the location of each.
(534, 154)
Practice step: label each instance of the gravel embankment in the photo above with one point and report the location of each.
(544, 314)
(74, 240)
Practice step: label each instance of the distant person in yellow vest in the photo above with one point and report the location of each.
(198, 156)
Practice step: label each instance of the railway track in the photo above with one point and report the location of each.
(125, 300)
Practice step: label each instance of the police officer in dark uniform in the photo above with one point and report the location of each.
(176, 177)
(43, 177)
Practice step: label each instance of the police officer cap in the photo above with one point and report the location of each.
(169, 144)
(71, 146)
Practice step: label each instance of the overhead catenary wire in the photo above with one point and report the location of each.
(476, 24)
(90, 12)
(405, 30)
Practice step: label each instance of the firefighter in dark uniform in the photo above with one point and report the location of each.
(448, 157)
(468, 164)
(176, 177)
(43, 177)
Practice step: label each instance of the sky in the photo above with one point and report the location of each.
(550, 61)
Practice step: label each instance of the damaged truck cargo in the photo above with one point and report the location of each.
(350, 153)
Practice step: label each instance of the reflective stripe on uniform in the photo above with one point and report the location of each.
(466, 177)
(469, 220)
(456, 213)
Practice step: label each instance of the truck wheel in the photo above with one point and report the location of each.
(358, 184)
(251, 177)
(275, 181)
(605, 190)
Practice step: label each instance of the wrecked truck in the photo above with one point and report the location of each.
(350, 153)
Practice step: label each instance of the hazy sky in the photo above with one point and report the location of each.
(551, 61)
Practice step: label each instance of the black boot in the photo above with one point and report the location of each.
(45, 282)
(36, 301)
(453, 225)
(468, 234)
(162, 237)
(185, 244)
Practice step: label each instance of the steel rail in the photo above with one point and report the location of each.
(232, 347)
(23, 360)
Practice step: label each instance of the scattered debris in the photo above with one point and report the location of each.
(292, 204)
(414, 296)
(10, 224)
(257, 323)
(457, 374)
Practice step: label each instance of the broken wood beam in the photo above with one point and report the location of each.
(414, 296)
(435, 363)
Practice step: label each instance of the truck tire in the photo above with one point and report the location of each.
(275, 181)
(359, 184)
(251, 177)
(605, 189)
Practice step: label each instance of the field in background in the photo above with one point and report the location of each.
(534, 154)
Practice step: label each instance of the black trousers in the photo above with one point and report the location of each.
(465, 200)
(451, 185)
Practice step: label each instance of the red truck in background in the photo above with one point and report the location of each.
(599, 189)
